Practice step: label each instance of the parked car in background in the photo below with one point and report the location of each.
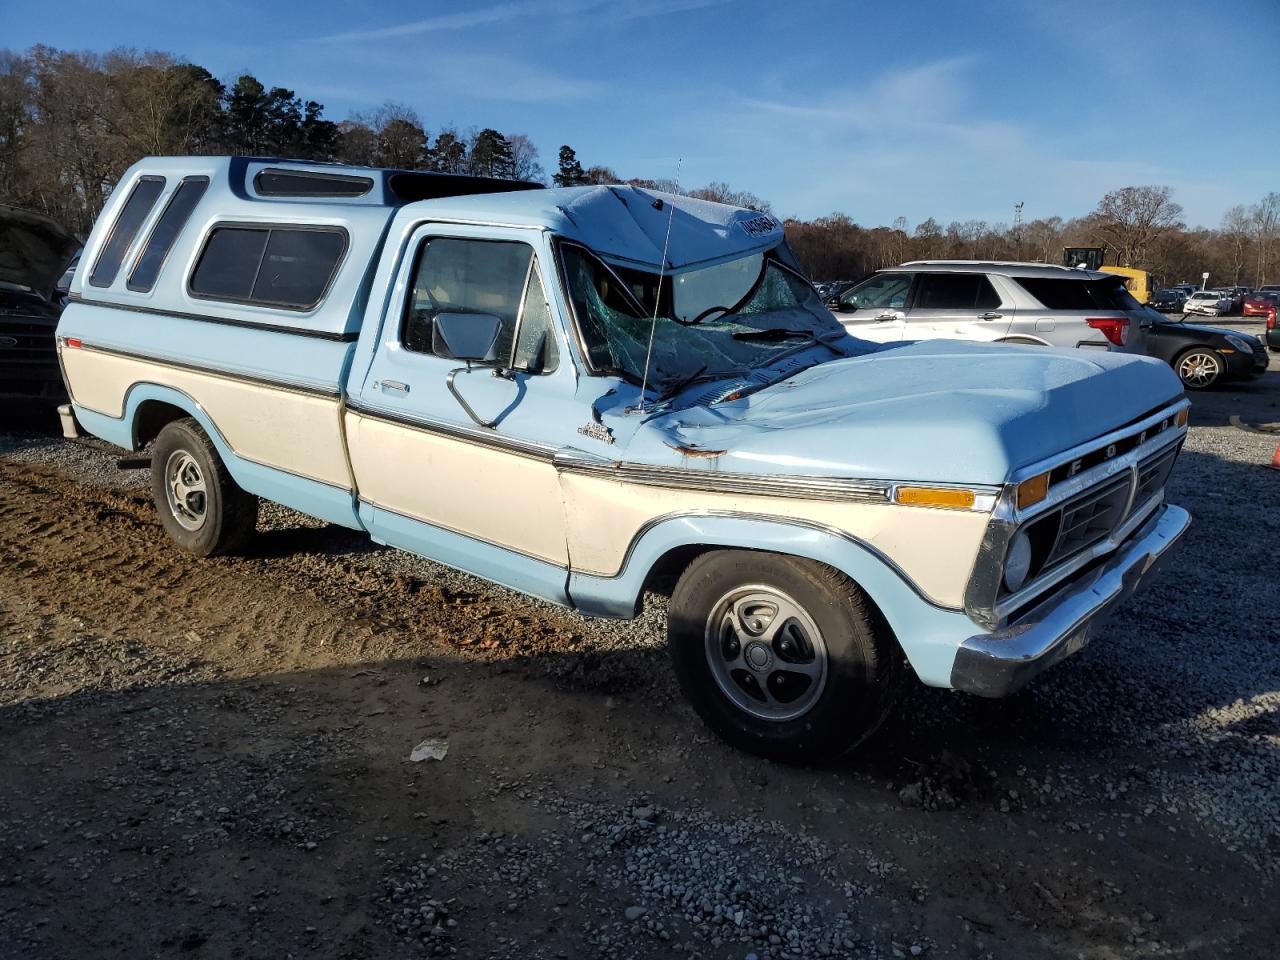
(1273, 329)
(1209, 303)
(1260, 304)
(63, 286)
(34, 251)
(1168, 300)
(536, 387)
(1237, 295)
(833, 288)
(1031, 303)
(1204, 356)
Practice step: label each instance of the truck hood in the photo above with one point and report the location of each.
(34, 250)
(935, 411)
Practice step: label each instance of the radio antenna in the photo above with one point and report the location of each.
(657, 299)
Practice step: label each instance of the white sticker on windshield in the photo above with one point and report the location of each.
(759, 226)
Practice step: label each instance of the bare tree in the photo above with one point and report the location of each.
(1265, 218)
(524, 159)
(1132, 218)
(1235, 232)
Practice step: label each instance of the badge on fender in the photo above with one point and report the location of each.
(597, 431)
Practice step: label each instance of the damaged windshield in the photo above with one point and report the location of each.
(712, 323)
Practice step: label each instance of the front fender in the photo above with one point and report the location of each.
(928, 633)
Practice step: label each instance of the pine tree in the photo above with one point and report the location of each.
(491, 155)
(570, 173)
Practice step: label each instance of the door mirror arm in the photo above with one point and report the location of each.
(462, 402)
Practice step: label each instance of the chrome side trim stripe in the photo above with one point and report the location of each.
(455, 431)
(222, 374)
(803, 488)
(348, 337)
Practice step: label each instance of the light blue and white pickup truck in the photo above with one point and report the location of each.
(592, 393)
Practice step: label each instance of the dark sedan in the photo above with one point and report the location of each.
(1203, 356)
(1168, 301)
(34, 251)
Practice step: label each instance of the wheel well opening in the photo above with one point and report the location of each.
(151, 418)
(663, 575)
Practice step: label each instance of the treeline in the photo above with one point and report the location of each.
(1139, 226)
(72, 122)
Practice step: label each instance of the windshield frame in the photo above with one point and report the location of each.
(579, 343)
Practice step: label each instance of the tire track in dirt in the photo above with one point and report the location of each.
(102, 556)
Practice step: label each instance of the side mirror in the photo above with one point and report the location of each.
(469, 337)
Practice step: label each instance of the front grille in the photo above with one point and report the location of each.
(34, 340)
(1153, 472)
(1089, 518)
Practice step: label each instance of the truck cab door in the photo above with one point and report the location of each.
(454, 460)
(876, 308)
(957, 306)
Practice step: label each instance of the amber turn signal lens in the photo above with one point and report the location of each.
(1031, 492)
(955, 499)
(1183, 416)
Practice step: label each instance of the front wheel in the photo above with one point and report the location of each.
(1199, 368)
(200, 506)
(781, 656)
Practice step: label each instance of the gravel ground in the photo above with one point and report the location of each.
(210, 758)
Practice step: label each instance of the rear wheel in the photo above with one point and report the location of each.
(1199, 368)
(200, 506)
(781, 656)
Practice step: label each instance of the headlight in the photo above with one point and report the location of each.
(1017, 562)
(1240, 343)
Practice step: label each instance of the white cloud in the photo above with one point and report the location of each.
(521, 9)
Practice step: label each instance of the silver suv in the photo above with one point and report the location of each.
(994, 301)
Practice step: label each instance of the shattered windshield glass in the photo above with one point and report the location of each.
(712, 323)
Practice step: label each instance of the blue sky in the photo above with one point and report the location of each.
(951, 110)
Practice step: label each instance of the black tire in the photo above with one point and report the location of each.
(205, 513)
(864, 665)
(1208, 356)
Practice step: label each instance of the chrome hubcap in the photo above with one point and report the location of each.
(184, 484)
(1198, 369)
(766, 653)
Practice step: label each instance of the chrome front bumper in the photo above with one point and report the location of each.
(1000, 663)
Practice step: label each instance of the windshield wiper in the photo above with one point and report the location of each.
(774, 334)
(700, 377)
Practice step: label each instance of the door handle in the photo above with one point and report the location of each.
(393, 386)
(990, 316)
